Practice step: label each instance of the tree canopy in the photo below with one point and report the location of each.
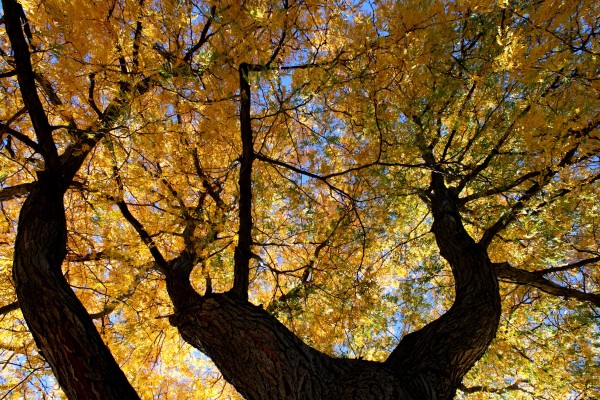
(176, 173)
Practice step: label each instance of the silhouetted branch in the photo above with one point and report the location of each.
(137, 37)
(204, 36)
(13, 16)
(520, 276)
(502, 222)
(21, 137)
(243, 251)
(567, 267)
(16, 191)
(139, 228)
(9, 307)
(483, 389)
(8, 74)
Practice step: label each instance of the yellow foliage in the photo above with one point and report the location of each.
(346, 96)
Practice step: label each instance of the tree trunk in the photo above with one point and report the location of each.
(262, 359)
(62, 328)
(447, 348)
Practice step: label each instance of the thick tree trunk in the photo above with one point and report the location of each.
(446, 349)
(264, 360)
(60, 325)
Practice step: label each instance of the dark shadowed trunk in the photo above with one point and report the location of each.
(60, 325)
(62, 328)
(264, 360)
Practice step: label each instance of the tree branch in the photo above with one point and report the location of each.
(306, 279)
(16, 191)
(46, 86)
(273, 57)
(493, 152)
(567, 267)
(137, 37)
(8, 74)
(520, 276)
(9, 307)
(113, 303)
(325, 178)
(137, 225)
(243, 251)
(510, 216)
(206, 183)
(498, 190)
(91, 100)
(14, 15)
(533, 190)
(479, 389)
(21, 137)
(23, 189)
(75, 153)
(204, 36)
(143, 234)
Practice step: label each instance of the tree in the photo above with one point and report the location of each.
(321, 197)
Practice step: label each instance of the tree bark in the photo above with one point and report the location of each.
(60, 325)
(62, 328)
(262, 359)
(446, 349)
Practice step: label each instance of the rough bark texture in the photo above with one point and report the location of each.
(446, 349)
(264, 360)
(60, 325)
